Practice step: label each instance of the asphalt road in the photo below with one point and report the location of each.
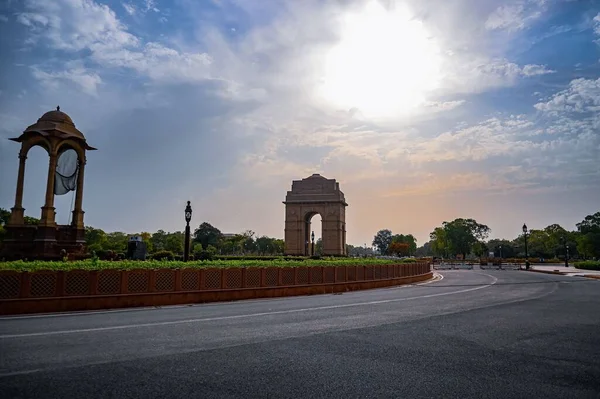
(473, 334)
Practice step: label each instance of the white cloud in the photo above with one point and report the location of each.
(582, 95)
(534, 70)
(150, 5)
(129, 8)
(75, 25)
(87, 81)
(443, 105)
(514, 17)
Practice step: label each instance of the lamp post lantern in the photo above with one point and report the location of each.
(526, 252)
(312, 238)
(188, 218)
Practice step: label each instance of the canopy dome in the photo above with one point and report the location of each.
(57, 124)
(56, 116)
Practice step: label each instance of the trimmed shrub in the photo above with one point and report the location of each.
(163, 255)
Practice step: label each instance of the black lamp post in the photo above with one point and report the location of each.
(188, 218)
(526, 252)
(312, 238)
(500, 247)
(567, 256)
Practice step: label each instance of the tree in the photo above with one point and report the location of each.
(116, 241)
(439, 242)
(319, 246)
(95, 239)
(4, 216)
(479, 248)
(588, 239)
(425, 250)
(206, 234)
(508, 248)
(408, 239)
(382, 240)
(399, 248)
(174, 242)
(159, 240)
(461, 234)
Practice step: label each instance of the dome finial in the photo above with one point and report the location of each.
(58, 107)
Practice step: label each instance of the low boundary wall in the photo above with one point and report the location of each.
(60, 291)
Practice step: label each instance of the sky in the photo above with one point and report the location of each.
(423, 111)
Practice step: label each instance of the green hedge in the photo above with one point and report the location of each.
(91, 264)
(588, 265)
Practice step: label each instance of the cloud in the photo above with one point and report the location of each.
(87, 81)
(443, 105)
(129, 8)
(534, 70)
(512, 17)
(582, 95)
(76, 25)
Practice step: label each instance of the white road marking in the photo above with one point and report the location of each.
(244, 316)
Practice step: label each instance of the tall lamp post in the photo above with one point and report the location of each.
(312, 238)
(567, 256)
(526, 252)
(188, 218)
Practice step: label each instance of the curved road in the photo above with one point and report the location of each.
(471, 334)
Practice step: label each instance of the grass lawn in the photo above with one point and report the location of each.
(90, 264)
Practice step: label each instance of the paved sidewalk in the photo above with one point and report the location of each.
(571, 271)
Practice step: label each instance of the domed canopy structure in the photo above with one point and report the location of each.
(54, 124)
(66, 147)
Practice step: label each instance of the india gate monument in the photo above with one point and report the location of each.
(308, 197)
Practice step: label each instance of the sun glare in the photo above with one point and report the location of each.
(384, 65)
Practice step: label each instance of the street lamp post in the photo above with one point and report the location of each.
(188, 218)
(500, 247)
(526, 252)
(312, 238)
(567, 256)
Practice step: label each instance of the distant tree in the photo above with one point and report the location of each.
(382, 240)
(206, 234)
(4, 216)
(508, 248)
(174, 242)
(95, 239)
(588, 239)
(408, 239)
(399, 248)
(116, 241)
(461, 234)
(159, 241)
(439, 242)
(425, 250)
(479, 248)
(319, 246)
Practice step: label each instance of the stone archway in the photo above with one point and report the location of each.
(308, 197)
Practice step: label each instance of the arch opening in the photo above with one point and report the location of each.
(313, 224)
(34, 183)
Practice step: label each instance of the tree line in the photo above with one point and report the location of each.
(467, 237)
(460, 237)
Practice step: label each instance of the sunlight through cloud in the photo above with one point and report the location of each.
(384, 64)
